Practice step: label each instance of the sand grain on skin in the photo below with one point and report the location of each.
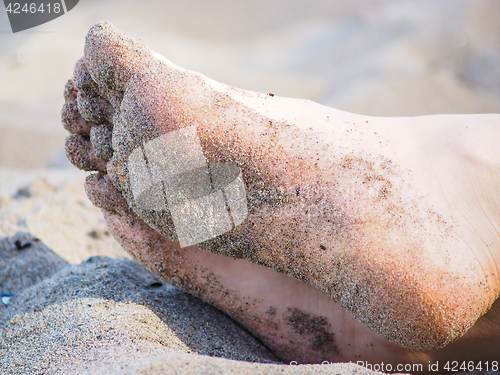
(373, 267)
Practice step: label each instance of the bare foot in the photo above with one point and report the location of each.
(388, 222)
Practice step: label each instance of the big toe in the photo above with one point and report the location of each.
(112, 57)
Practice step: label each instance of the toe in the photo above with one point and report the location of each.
(80, 152)
(86, 84)
(103, 194)
(112, 57)
(100, 137)
(70, 90)
(83, 79)
(71, 118)
(94, 108)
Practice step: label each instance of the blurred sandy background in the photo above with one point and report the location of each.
(376, 57)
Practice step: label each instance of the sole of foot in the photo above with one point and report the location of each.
(359, 209)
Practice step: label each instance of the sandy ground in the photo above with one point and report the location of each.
(111, 316)
(73, 313)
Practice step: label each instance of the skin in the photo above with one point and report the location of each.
(376, 240)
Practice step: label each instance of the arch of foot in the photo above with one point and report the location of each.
(170, 173)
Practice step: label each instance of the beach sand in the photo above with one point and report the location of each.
(81, 305)
(112, 316)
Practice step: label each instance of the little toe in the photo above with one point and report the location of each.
(112, 57)
(71, 118)
(80, 152)
(100, 137)
(103, 194)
